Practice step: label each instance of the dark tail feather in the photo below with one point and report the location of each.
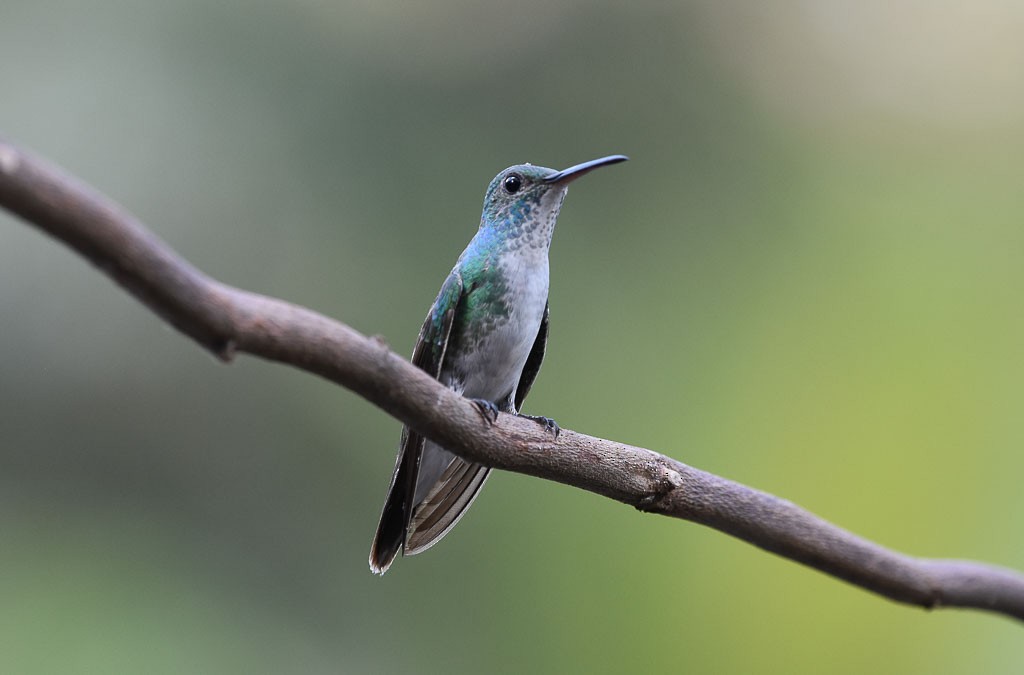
(390, 534)
(394, 519)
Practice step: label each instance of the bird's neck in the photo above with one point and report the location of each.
(499, 270)
(529, 238)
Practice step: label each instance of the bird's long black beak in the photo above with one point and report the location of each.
(574, 172)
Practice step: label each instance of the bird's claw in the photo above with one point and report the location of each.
(549, 424)
(487, 410)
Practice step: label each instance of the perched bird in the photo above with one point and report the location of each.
(485, 338)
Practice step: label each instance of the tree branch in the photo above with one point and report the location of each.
(226, 320)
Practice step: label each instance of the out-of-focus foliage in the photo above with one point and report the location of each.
(809, 279)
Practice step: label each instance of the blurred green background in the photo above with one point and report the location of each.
(808, 279)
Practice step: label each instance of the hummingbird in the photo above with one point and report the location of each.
(484, 337)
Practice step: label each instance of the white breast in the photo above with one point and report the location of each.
(492, 371)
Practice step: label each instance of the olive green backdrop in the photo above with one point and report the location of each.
(808, 279)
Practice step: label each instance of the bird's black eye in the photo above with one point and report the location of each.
(512, 183)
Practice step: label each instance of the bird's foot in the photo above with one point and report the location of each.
(487, 410)
(549, 424)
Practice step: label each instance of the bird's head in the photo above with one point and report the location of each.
(523, 201)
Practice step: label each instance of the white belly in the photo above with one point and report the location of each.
(491, 370)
